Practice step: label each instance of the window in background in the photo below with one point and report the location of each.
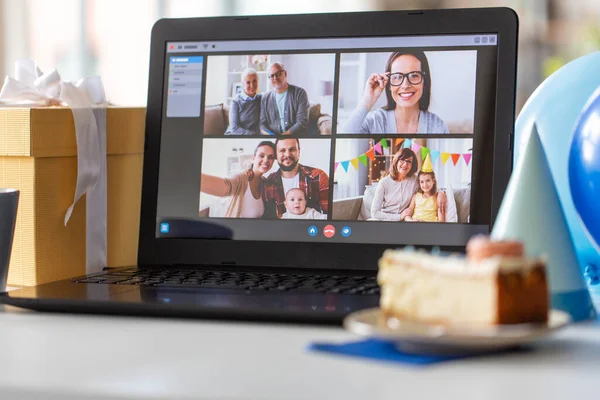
(80, 38)
(112, 37)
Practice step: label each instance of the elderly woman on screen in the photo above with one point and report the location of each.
(394, 192)
(407, 86)
(244, 114)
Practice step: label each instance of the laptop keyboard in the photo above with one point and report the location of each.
(357, 285)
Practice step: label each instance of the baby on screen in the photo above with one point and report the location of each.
(295, 204)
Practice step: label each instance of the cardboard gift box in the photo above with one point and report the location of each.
(38, 156)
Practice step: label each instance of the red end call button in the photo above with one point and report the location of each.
(329, 231)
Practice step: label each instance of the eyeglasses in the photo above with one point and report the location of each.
(405, 161)
(276, 74)
(414, 78)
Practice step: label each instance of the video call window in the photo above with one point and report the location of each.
(315, 130)
(408, 91)
(402, 179)
(284, 178)
(246, 95)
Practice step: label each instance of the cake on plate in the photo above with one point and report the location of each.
(495, 283)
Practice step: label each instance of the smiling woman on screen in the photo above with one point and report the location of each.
(407, 85)
(245, 190)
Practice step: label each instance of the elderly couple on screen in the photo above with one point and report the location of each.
(281, 111)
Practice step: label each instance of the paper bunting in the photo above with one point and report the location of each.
(467, 157)
(445, 157)
(455, 158)
(363, 159)
(423, 151)
(377, 148)
(371, 154)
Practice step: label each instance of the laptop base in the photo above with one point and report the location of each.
(221, 304)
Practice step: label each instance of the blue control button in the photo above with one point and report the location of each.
(313, 230)
(346, 231)
(164, 227)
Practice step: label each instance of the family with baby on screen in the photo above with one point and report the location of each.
(294, 191)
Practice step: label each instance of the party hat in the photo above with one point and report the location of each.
(427, 167)
(531, 212)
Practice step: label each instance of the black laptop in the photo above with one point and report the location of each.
(285, 153)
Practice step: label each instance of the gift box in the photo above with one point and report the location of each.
(38, 156)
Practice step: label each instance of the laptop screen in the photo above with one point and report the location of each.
(385, 140)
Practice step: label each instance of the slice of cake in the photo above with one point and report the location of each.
(494, 284)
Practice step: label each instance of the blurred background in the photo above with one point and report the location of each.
(111, 38)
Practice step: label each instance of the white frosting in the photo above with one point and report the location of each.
(457, 264)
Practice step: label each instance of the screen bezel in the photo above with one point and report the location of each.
(314, 255)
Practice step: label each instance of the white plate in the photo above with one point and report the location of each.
(416, 337)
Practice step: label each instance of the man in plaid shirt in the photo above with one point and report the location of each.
(291, 174)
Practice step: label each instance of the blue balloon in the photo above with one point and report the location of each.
(584, 167)
(555, 107)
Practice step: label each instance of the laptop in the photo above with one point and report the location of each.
(284, 154)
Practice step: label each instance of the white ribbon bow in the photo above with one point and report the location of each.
(87, 100)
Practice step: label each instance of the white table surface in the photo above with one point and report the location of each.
(55, 356)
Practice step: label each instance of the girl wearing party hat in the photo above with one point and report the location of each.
(424, 202)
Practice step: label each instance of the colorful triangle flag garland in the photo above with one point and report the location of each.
(423, 151)
(445, 157)
(467, 157)
(371, 154)
(363, 159)
(455, 158)
(377, 148)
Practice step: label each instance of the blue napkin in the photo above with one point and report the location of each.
(381, 350)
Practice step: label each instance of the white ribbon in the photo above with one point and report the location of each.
(87, 100)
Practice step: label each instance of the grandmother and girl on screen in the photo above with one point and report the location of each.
(407, 194)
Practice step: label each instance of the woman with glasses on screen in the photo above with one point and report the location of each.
(407, 85)
(244, 114)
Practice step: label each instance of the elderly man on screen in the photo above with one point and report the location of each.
(284, 110)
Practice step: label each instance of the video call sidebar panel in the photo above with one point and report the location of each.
(185, 86)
